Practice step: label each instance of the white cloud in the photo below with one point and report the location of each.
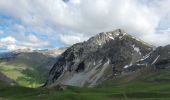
(69, 40)
(75, 1)
(33, 38)
(31, 42)
(8, 40)
(161, 37)
(17, 47)
(145, 19)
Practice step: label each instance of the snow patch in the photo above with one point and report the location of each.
(137, 49)
(124, 34)
(130, 64)
(140, 64)
(126, 66)
(117, 34)
(111, 37)
(110, 34)
(120, 37)
(145, 57)
(135, 38)
(155, 59)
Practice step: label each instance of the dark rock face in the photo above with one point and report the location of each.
(97, 59)
(156, 59)
(80, 67)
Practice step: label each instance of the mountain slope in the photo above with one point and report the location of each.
(28, 68)
(152, 68)
(5, 80)
(156, 60)
(100, 58)
(159, 58)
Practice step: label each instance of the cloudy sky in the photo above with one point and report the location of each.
(39, 24)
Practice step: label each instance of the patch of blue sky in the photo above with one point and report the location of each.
(7, 26)
(8, 18)
(44, 37)
(2, 26)
(57, 44)
(7, 23)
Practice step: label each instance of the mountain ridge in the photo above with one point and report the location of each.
(93, 61)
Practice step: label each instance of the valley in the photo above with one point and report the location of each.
(145, 88)
(109, 66)
(29, 69)
(84, 49)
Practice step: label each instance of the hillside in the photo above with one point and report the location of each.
(5, 80)
(28, 68)
(145, 88)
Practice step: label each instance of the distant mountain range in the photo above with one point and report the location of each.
(108, 56)
(28, 67)
(48, 52)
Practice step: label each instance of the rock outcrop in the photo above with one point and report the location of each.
(155, 60)
(101, 57)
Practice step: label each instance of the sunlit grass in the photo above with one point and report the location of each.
(15, 73)
(144, 88)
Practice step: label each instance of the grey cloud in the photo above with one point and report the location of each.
(85, 18)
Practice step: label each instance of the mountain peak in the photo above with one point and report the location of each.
(115, 33)
(104, 37)
(93, 61)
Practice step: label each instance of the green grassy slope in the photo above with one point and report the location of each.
(153, 86)
(28, 69)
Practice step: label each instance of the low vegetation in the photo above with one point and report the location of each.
(24, 75)
(153, 86)
(27, 69)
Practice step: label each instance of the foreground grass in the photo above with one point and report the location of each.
(130, 91)
(151, 86)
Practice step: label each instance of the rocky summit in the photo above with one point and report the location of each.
(102, 57)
